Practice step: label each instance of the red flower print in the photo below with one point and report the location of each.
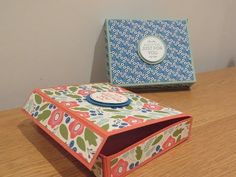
(75, 129)
(83, 115)
(69, 104)
(169, 143)
(133, 120)
(56, 118)
(85, 92)
(60, 88)
(153, 107)
(120, 168)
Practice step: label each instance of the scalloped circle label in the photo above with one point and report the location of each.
(152, 49)
(109, 97)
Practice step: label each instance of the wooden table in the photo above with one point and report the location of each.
(25, 150)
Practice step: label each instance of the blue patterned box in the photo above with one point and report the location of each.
(153, 53)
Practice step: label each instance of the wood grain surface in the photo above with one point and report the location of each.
(25, 150)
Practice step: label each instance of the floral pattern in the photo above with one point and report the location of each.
(140, 109)
(148, 149)
(168, 143)
(154, 107)
(124, 62)
(84, 141)
(70, 104)
(60, 88)
(65, 127)
(82, 115)
(56, 118)
(75, 128)
(133, 120)
(151, 147)
(85, 92)
(98, 167)
(120, 168)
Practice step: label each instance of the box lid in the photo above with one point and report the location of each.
(148, 52)
(98, 121)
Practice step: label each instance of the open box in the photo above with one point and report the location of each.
(109, 140)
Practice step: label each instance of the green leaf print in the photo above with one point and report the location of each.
(113, 162)
(177, 132)
(157, 140)
(81, 109)
(143, 100)
(179, 138)
(135, 98)
(63, 131)
(118, 117)
(96, 87)
(139, 153)
(141, 116)
(74, 96)
(105, 127)
(81, 144)
(90, 137)
(38, 99)
(58, 93)
(48, 92)
(110, 110)
(147, 145)
(161, 112)
(44, 107)
(129, 107)
(73, 89)
(44, 115)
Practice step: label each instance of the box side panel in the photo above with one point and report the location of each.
(74, 136)
(158, 86)
(98, 167)
(106, 34)
(159, 143)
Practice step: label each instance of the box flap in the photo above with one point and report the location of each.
(84, 126)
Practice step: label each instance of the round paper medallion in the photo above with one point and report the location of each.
(152, 49)
(108, 99)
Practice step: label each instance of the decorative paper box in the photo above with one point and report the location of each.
(153, 53)
(108, 138)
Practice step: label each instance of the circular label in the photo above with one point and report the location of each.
(152, 49)
(109, 97)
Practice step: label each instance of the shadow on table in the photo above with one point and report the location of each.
(154, 90)
(60, 159)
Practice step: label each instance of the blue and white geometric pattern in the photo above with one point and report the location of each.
(126, 68)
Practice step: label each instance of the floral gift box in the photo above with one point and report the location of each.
(112, 131)
(153, 53)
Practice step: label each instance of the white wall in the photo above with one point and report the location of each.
(51, 42)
